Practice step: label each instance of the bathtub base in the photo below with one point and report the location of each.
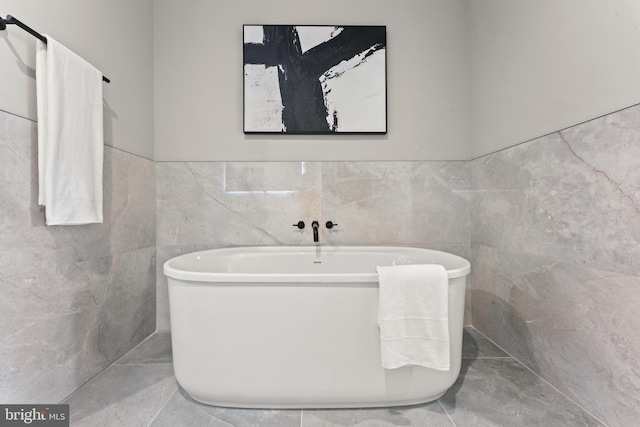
(318, 405)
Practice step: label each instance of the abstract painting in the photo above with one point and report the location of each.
(305, 79)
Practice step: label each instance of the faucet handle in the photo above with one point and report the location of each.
(330, 224)
(300, 225)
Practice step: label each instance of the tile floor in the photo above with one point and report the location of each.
(493, 390)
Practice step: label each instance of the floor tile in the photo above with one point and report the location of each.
(502, 392)
(181, 410)
(155, 349)
(493, 390)
(475, 345)
(430, 414)
(122, 396)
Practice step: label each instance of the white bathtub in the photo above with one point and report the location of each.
(296, 327)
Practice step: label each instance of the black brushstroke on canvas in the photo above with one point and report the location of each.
(304, 109)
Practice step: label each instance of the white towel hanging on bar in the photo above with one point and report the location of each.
(70, 136)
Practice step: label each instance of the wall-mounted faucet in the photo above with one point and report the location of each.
(315, 225)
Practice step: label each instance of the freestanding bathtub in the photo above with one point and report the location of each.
(296, 327)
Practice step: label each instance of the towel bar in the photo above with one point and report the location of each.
(11, 20)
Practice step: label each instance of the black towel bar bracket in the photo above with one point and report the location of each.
(13, 21)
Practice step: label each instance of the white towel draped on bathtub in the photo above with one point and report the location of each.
(70, 136)
(414, 316)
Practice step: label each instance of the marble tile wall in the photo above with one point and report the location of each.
(73, 298)
(215, 204)
(556, 257)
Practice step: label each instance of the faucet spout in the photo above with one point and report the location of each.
(315, 225)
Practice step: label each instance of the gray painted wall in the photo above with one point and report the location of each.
(116, 36)
(465, 78)
(198, 93)
(539, 66)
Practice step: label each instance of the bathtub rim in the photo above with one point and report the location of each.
(172, 271)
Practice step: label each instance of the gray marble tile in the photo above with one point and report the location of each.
(155, 349)
(546, 198)
(131, 207)
(123, 395)
(430, 414)
(18, 138)
(182, 410)
(396, 202)
(73, 298)
(574, 325)
(62, 326)
(229, 204)
(124, 290)
(29, 245)
(609, 146)
(477, 346)
(49, 344)
(556, 243)
(24, 246)
(502, 392)
(269, 177)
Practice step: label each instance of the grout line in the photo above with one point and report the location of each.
(162, 408)
(446, 412)
(134, 347)
(494, 343)
(35, 122)
(488, 357)
(102, 371)
(144, 364)
(550, 133)
(544, 380)
(76, 391)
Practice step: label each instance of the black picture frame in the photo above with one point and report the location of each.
(314, 79)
